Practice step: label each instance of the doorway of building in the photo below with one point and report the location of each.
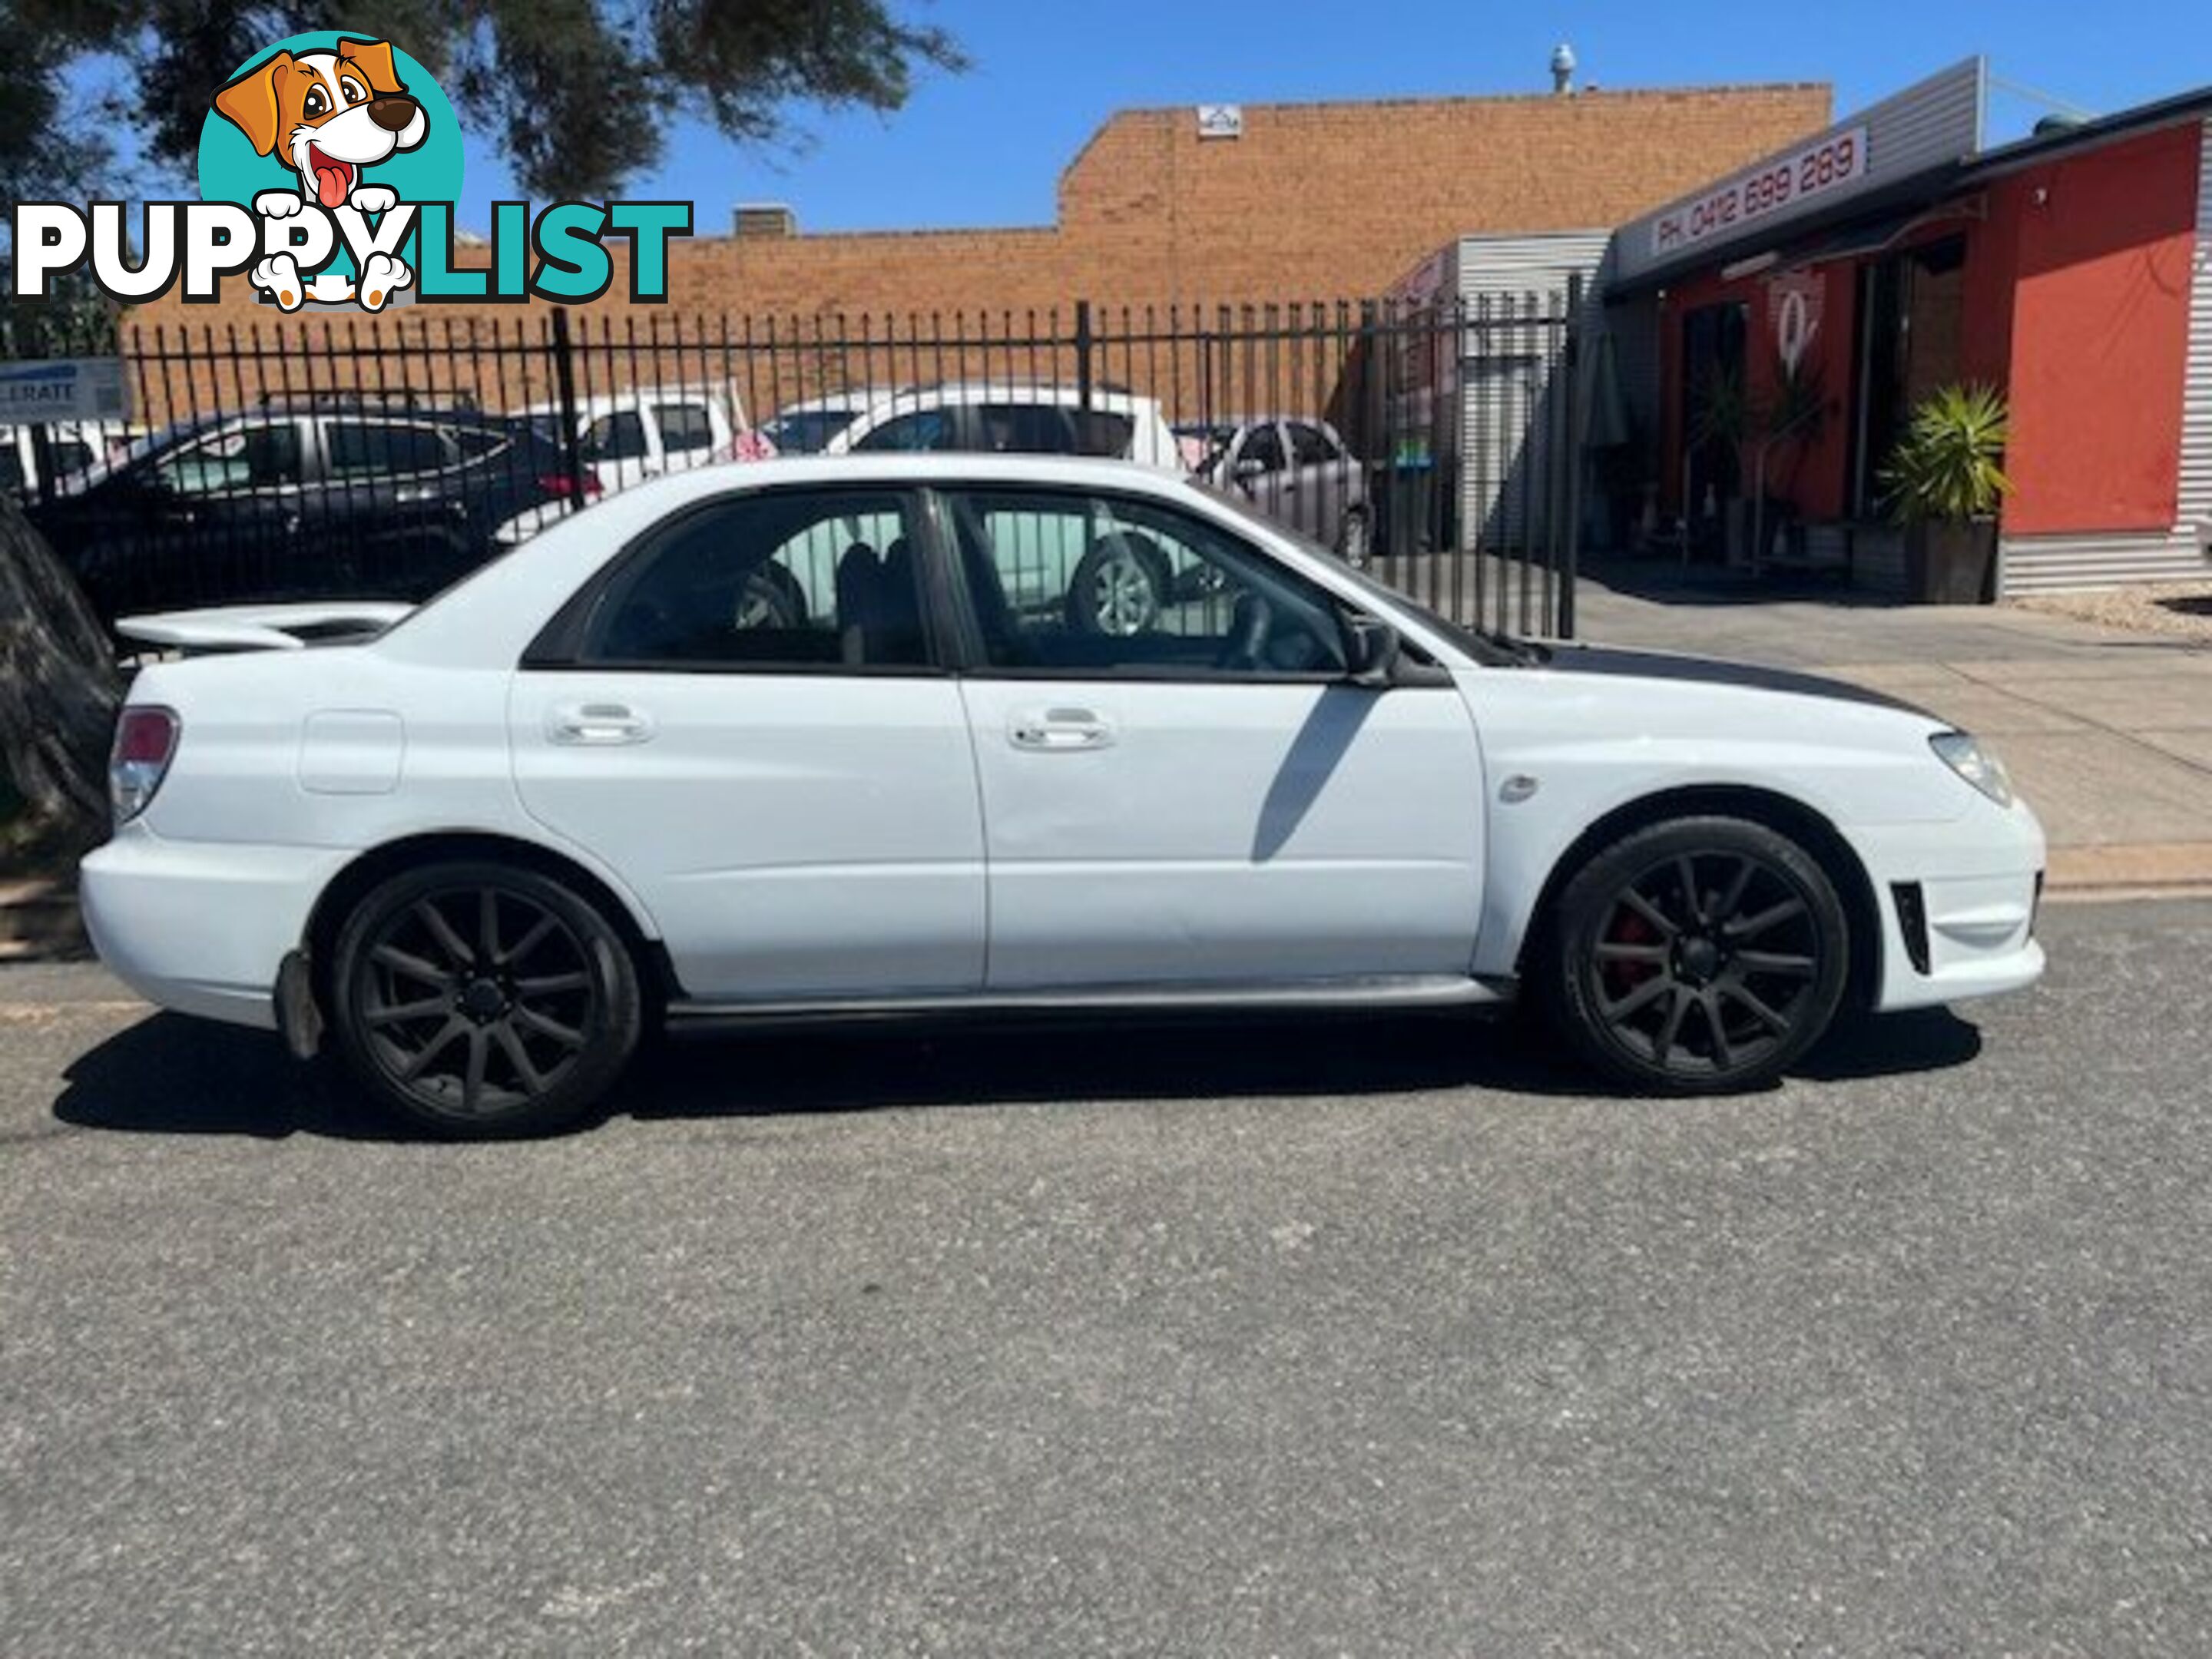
(1715, 415)
(1912, 313)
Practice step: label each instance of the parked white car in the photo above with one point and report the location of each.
(597, 785)
(624, 438)
(998, 417)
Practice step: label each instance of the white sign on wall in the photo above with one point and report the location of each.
(1221, 120)
(61, 389)
(1823, 167)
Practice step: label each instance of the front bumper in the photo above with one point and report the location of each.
(202, 926)
(1974, 884)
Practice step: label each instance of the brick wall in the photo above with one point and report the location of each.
(1319, 200)
(1316, 200)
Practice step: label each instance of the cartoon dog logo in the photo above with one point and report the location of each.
(330, 115)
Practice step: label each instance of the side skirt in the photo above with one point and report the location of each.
(1442, 991)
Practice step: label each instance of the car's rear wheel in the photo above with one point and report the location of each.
(1696, 955)
(483, 998)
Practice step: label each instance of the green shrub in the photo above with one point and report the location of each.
(1950, 465)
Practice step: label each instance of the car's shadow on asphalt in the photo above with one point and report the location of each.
(169, 1075)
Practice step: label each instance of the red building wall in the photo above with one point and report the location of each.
(2076, 294)
(2100, 332)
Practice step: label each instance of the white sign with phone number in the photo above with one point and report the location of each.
(1837, 160)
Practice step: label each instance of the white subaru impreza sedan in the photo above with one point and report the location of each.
(917, 733)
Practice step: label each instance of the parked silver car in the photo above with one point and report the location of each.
(1295, 470)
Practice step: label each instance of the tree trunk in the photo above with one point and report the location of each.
(59, 689)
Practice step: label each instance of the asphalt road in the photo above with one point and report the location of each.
(1313, 1338)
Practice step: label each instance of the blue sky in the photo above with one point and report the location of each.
(986, 147)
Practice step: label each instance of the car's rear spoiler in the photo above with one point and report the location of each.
(263, 627)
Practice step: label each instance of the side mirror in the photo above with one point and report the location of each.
(1372, 647)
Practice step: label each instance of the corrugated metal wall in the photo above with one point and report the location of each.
(1505, 417)
(2197, 396)
(2043, 564)
(2034, 564)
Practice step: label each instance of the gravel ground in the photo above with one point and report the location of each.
(2178, 609)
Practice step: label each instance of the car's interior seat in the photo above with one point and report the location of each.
(896, 634)
(859, 600)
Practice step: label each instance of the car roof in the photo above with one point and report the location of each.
(608, 403)
(1053, 394)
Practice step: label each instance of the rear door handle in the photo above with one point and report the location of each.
(597, 725)
(1060, 731)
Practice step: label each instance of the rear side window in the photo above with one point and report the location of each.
(684, 428)
(70, 455)
(369, 448)
(789, 579)
(11, 466)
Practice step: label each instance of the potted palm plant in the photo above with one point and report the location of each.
(1943, 485)
(1720, 422)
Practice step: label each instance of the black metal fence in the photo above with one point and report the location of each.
(1435, 444)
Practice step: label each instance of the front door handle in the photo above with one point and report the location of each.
(1061, 731)
(597, 725)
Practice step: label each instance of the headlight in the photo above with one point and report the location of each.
(1965, 755)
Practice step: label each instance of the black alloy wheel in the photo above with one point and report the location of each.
(1698, 956)
(484, 999)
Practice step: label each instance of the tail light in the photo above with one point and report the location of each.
(145, 743)
(561, 484)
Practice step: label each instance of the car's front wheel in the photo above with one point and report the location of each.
(1119, 588)
(1696, 955)
(483, 998)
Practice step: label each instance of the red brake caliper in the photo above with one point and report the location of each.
(1628, 929)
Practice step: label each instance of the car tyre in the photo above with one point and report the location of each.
(482, 998)
(1697, 956)
(1120, 587)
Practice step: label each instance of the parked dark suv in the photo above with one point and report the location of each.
(355, 498)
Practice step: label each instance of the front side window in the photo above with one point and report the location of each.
(922, 430)
(375, 449)
(616, 437)
(1262, 450)
(1311, 446)
(1079, 583)
(1023, 429)
(259, 457)
(684, 428)
(1097, 433)
(807, 431)
(820, 579)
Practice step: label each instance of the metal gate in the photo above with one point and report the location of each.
(1435, 445)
